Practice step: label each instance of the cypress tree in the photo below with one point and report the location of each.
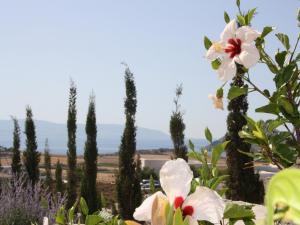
(31, 155)
(243, 183)
(71, 153)
(88, 190)
(128, 186)
(16, 157)
(47, 160)
(177, 128)
(58, 178)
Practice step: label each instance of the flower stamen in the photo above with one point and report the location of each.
(178, 202)
(234, 47)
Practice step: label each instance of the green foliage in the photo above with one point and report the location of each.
(89, 219)
(128, 179)
(147, 172)
(47, 160)
(226, 17)
(284, 39)
(234, 212)
(88, 187)
(216, 64)
(207, 42)
(236, 91)
(31, 155)
(274, 144)
(58, 178)
(16, 157)
(177, 128)
(152, 185)
(71, 153)
(208, 134)
(209, 173)
(283, 197)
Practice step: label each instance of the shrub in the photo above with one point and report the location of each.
(23, 204)
(147, 172)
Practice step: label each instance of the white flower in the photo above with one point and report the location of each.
(218, 102)
(236, 46)
(45, 221)
(175, 179)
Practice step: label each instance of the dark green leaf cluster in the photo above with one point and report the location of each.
(31, 155)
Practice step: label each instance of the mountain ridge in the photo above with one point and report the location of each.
(108, 137)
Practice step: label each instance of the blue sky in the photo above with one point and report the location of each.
(44, 43)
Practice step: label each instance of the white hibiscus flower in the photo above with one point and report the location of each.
(236, 46)
(175, 178)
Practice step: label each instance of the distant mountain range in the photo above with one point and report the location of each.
(108, 138)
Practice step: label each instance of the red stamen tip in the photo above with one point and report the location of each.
(178, 202)
(188, 210)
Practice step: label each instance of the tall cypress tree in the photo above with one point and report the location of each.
(177, 128)
(72, 179)
(127, 180)
(243, 183)
(16, 157)
(47, 161)
(31, 155)
(88, 188)
(58, 178)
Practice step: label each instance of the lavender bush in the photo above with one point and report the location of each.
(23, 204)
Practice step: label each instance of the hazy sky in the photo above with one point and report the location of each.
(44, 43)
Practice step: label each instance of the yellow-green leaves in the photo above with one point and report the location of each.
(236, 91)
(207, 43)
(283, 194)
(226, 17)
(83, 207)
(208, 135)
(284, 39)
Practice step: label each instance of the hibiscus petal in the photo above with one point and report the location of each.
(215, 51)
(192, 221)
(249, 55)
(229, 31)
(143, 212)
(207, 204)
(247, 34)
(45, 221)
(227, 69)
(175, 179)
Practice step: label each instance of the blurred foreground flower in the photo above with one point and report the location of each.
(175, 178)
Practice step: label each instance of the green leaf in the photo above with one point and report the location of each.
(214, 183)
(241, 20)
(284, 39)
(71, 213)
(236, 91)
(284, 189)
(273, 124)
(217, 151)
(249, 16)
(83, 206)
(178, 217)
(208, 135)
(238, 3)
(207, 43)
(226, 17)
(280, 58)
(191, 145)
(284, 102)
(169, 214)
(235, 211)
(266, 31)
(216, 64)
(270, 108)
(92, 219)
(284, 75)
(60, 216)
(286, 153)
(248, 222)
